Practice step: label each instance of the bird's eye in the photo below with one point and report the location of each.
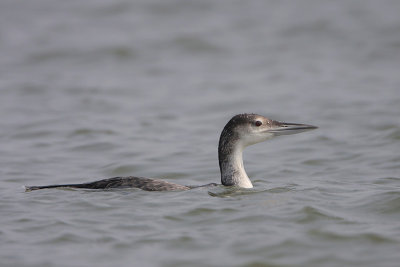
(258, 123)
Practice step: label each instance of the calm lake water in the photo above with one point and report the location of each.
(97, 89)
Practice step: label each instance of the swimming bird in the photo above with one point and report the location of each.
(241, 131)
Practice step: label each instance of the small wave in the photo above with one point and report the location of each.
(381, 203)
(203, 211)
(310, 214)
(361, 237)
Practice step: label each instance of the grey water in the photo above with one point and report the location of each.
(98, 89)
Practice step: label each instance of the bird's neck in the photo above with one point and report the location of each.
(230, 155)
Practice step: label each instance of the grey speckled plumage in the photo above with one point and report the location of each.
(143, 183)
(241, 131)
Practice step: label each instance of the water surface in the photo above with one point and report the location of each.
(97, 89)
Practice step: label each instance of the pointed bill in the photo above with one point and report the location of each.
(285, 128)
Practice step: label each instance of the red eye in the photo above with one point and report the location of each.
(258, 123)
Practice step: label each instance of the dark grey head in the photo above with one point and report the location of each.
(244, 130)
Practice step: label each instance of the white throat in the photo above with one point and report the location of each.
(232, 169)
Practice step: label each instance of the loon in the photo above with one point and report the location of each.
(241, 131)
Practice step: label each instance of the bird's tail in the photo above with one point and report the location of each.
(31, 188)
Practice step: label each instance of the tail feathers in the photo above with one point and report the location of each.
(31, 188)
